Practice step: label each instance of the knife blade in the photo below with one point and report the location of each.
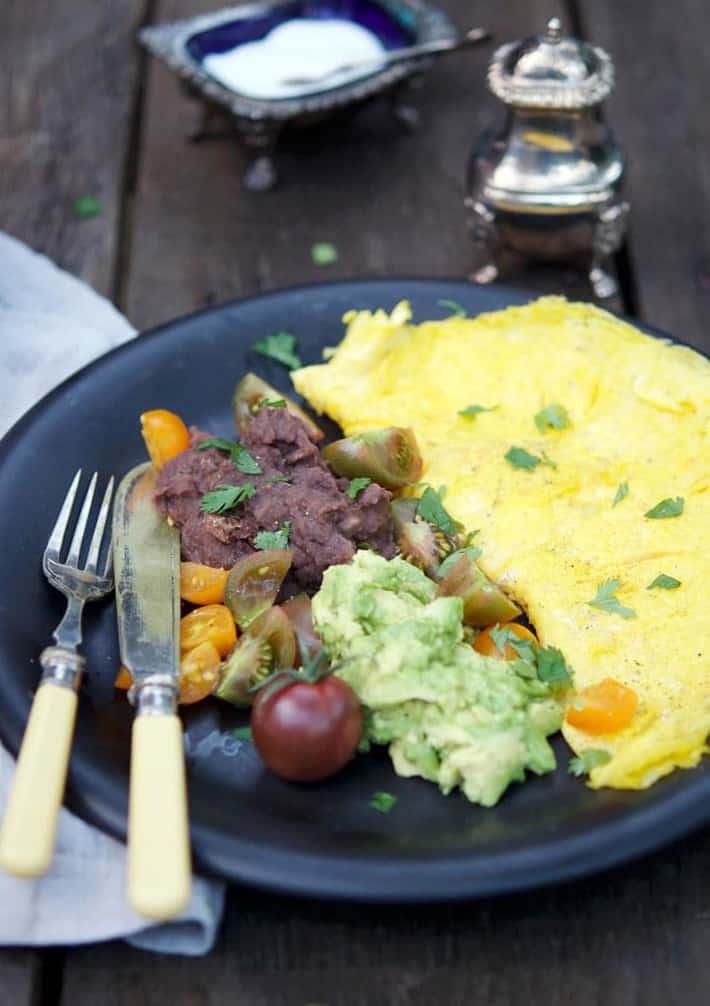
(146, 553)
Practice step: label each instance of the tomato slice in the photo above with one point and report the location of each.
(254, 582)
(165, 435)
(202, 584)
(199, 673)
(603, 708)
(212, 623)
(485, 644)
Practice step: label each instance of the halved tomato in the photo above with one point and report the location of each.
(202, 584)
(165, 435)
(212, 623)
(603, 708)
(199, 673)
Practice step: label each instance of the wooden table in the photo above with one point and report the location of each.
(84, 112)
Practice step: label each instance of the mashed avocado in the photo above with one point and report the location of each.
(448, 714)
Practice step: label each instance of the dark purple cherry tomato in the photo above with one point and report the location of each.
(306, 732)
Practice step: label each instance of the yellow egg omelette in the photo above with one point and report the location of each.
(617, 422)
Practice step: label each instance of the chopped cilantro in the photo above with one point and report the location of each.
(456, 310)
(281, 346)
(240, 456)
(242, 733)
(356, 486)
(605, 600)
(279, 478)
(225, 497)
(471, 411)
(430, 508)
(273, 539)
(589, 759)
(552, 668)
(384, 802)
(554, 417)
(547, 662)
(548, 461)
(86, 206)
(666, 508)
(470, 550)
(324, 253)
(665, 582)
(518, 457)
(621, 493)
(269, 403)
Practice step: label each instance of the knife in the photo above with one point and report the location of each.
(147, 570)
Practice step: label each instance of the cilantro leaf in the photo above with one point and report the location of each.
(605, 599)
(219, 442)
(273, 539)
(547, 662)
(242, 733)
(431, 509)
(86, 206)
(552, 668)
(621, 493)
(471, 411)
(518, 457)
(281, 346)
(356, 486)
(384, 802)
(225, 497)
(456, 310)
(268, 403)
(665, 582)
(589, 759)
(666, 508)
(324, 253)
(279, 478)
(554, 417)
(453, 558)
(548, 461)
(240, 456)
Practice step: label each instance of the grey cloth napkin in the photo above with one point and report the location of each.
(51, 324)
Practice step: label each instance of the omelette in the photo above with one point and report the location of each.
(617, 424)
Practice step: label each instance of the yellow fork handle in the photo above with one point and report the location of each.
(30, 823)
(159, 871)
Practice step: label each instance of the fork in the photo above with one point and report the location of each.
(30, 824)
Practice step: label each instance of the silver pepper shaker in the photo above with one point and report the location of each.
(548, 185)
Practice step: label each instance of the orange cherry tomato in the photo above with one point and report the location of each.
(213, 623)
(485, 644)
(603, 708)
(165, 435)
(202, 584)
(199, 673)
(123, 679)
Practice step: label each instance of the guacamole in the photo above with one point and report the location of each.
(447, 713)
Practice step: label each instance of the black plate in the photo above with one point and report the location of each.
(247, 825)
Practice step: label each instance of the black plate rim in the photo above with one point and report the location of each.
(643, 830)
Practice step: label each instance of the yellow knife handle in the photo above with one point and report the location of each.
(159, 870)
(30, 823)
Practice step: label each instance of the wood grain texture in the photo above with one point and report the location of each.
(661, 117)
(391, 202)
(66, 94)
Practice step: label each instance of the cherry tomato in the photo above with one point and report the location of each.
(305, 732)
(254, 581)
(202, 584)
(485, 644)
(298, 610)
(123, 679)
(165, 435)
(484, 603)
(213, 622)
(603, 708)
(389, 457)
(267, 643)
(252, 391)
(199, 672)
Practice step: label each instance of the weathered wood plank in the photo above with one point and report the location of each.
(392, 203)
(660, 112)
(66, 96)
(19, 973)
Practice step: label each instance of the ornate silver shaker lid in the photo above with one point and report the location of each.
(551, 70)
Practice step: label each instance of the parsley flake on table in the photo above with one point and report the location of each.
(384, 802)
(225, 497)
(280, 346)
(356, 486)
(273, 539)
(518, 457)
(553, 417)
(589, 759)
(430, 508)
(621, 493)
(86, 206)
(269, 403)
(242, 733)
(665, 582)
(666, 508)
(456, 310)
(324, 253)
(241, 458)
(605, 599)
(471, 411)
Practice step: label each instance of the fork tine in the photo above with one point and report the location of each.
(92, 558)
(108, 567)
(72, 558)
(59, 530)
